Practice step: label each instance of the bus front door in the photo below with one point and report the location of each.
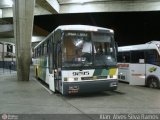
(58, 76)
(50, 64)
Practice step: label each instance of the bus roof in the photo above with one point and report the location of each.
(149, 45)
(82, 28)
(76, 28)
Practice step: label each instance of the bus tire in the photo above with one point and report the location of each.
(153, 82)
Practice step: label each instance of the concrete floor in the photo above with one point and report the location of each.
(17, 97)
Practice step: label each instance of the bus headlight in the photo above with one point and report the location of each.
(112, 76)
(70, 79)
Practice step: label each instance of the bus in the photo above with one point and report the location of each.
(77, 59)
(140, 64)
(7, 55)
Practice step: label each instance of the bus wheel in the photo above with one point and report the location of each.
(153, 82)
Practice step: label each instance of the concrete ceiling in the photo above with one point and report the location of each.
(43, 7)
(82, 6)
(61, 2)
(6, 27)
(77, 6)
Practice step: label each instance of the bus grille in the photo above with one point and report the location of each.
(86, 78)
(101, 77)
(94, 78)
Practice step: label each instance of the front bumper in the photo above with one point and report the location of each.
(89, 86)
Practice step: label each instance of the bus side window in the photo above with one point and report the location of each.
(137, 56)
(119, 58)
(50, 54)
(152, 57)
(124, 57)
(45, 48)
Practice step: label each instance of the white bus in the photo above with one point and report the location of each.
(7, 49)
(7, 55)
(77, 59)
(140, 64)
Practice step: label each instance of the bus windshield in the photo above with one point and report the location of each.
(77, 49)
(87, 49)
(104, 51)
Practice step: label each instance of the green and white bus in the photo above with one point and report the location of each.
(77, 59)
(140, 64)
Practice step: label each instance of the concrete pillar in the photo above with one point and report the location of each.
(23, 25)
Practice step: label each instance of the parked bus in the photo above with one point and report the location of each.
(77, 59)
(7, 55)
(140, 64)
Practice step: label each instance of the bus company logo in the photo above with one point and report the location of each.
(4, 116)
(80, 73)
(152, 69)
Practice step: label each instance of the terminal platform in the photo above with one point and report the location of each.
(32, 98)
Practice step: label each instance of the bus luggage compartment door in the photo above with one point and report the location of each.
(137, 74)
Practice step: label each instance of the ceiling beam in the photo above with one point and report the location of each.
(109, 6)
(50, 5)
(6, 28)
(55, 5)
(6, 31)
